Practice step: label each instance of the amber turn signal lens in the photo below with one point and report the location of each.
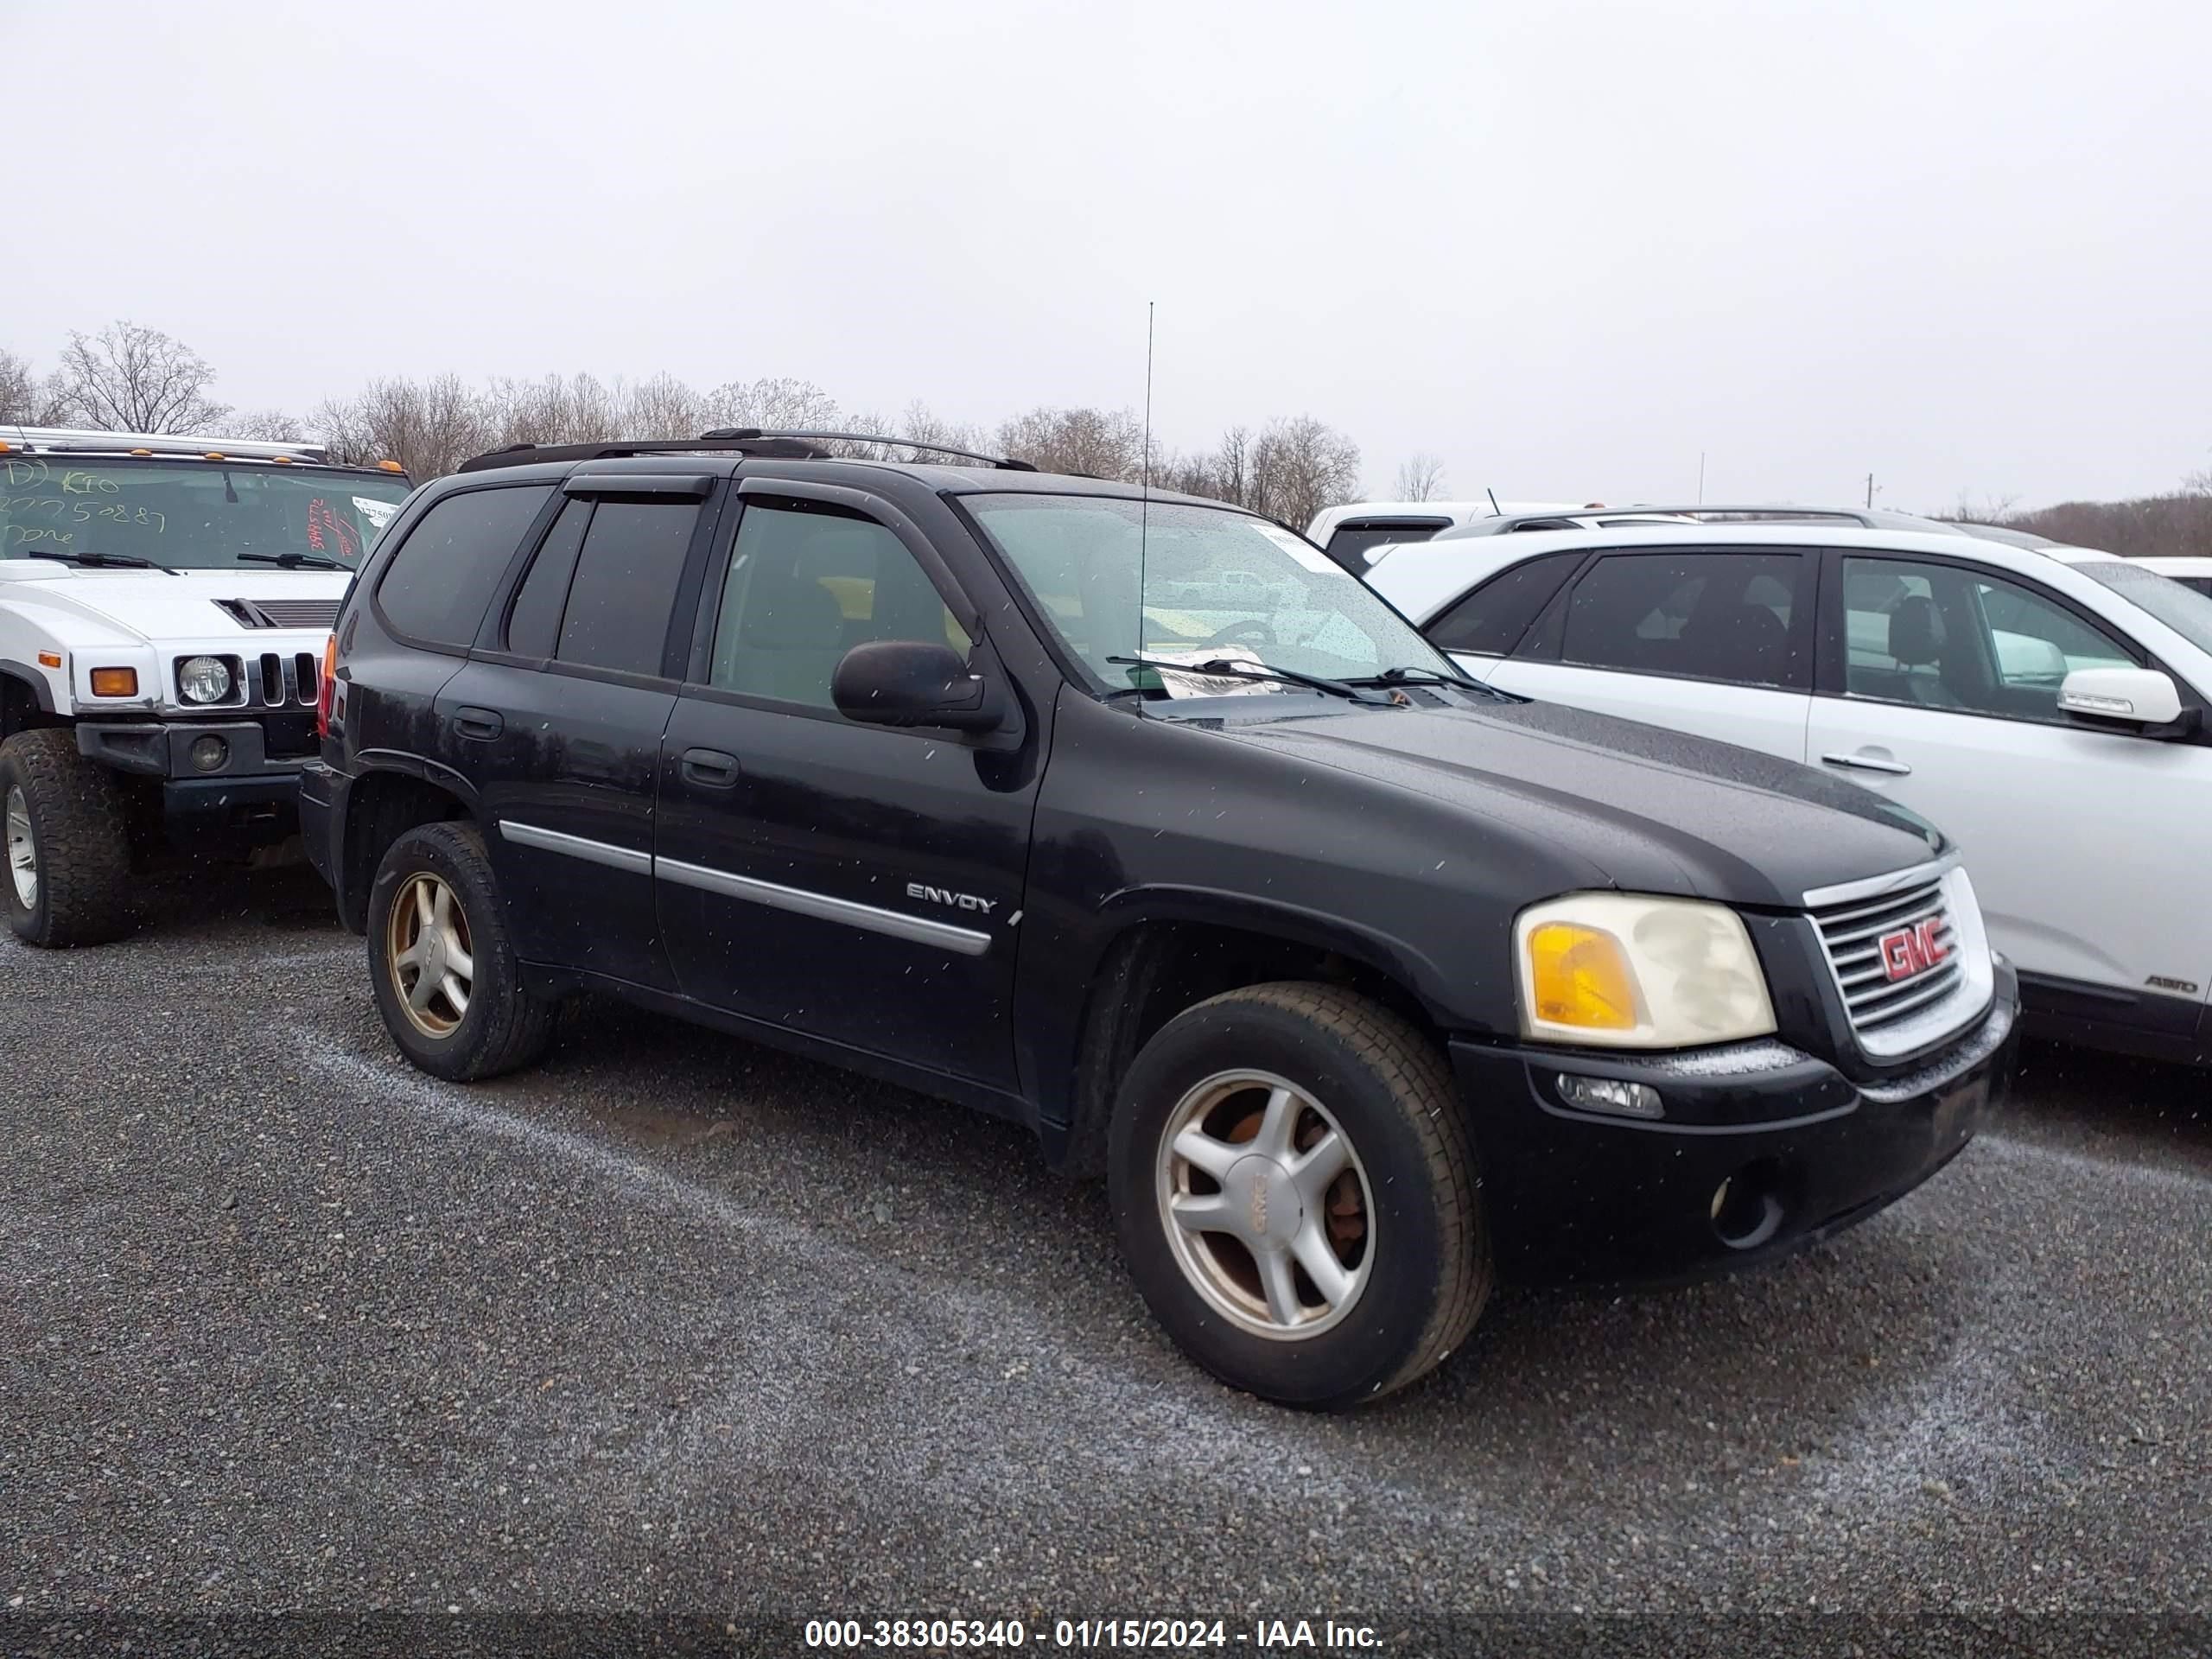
(1581, 977)
(115, 682)
(49, 659)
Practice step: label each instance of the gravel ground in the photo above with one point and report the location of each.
(678, 1341)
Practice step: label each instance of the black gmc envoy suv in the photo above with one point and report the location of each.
(1136, 819)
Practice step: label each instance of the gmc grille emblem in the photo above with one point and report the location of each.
(1913, 950)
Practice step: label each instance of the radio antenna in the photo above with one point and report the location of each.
(1494, 507)
(1144, 504)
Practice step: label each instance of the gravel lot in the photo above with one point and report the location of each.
(688, 1341)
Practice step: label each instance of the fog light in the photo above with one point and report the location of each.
(1610, 1095)
(203, 679)
(209, 752)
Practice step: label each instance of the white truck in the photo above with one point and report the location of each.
(165, 607)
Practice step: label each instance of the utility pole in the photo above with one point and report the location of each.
(1700, 478)
(1870, 491)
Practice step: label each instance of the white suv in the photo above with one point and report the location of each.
(2045, 707)
(165, 605)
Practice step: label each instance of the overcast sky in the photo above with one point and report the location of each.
(1566, 246)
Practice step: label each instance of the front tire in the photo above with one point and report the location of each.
(66, 842)
(1295, 1194)
(447, 981)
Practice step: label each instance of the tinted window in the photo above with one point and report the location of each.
(1349, 544)
(1940, 637)
(1492, 618)
(1706, 616)
(534, 623)
(624, 585)
(440, 580)
(806, 586)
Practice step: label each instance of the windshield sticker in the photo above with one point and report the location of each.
(375, 514)
(347, 541)
(1299, 548)
(1177, 684)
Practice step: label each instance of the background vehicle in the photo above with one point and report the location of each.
(1521, 519)
(2192, 573)
(164, 602)
(2045, 706)
(926, 771)
(1350, 533)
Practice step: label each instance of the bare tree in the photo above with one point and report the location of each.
(21, 401)
(429, 427)
(1299, 465)
(271, 425)
(664, 407)
(129, 379)
(1097, 442)
(1990, 510)
(797, 405)
(578, 410)
(2198, 482)
(1421, 478)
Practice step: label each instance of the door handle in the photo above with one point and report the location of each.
(709, 768)
(1868, 763)
(482, 724)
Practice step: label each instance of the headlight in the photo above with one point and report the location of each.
(203, 679)
(1621, 970)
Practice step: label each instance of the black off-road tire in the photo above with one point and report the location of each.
(1392, 1094)
(80, 832)
(505, 1028)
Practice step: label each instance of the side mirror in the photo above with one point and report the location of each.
(909, 683)
(2142, 697)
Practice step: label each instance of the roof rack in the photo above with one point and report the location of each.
(772, 443)
(60, 440)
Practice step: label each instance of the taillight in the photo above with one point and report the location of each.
(327, 690)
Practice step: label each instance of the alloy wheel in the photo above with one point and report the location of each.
(1266, 1205)
(427, 946)
(23, 848)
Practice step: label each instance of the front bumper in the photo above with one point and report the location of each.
(1805, 1150)
(249, 800)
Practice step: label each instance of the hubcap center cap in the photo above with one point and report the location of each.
(1264, 1201)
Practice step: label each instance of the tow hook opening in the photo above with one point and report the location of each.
(1747, 1207)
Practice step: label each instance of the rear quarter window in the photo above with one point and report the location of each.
(441, 579)
(1494, 614)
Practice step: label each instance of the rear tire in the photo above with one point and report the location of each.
(66, 842)
(446, 978)
(1295, 1193)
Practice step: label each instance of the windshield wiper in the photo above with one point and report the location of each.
(1227, 668)
(1413, 674)
(295, 561)
(98, 561)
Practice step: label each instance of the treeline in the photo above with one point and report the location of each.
(2181, 523)
(131, 378)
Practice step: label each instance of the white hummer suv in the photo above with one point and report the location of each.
(165, 604)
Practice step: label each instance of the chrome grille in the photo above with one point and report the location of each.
(1909, 954)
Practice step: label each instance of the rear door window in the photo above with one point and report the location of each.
(439, 581)
(627, 571)
(534, 623)
(1491, 619)
(1728, 617)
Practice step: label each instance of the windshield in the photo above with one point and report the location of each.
(191, 515)
(2184, 610)
(1217, 583)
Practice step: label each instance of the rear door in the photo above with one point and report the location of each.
(1939, 688)
(1715, 641)
(857, 883)
(558, 716)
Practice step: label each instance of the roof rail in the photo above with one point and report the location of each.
(60, 440)
(776, 444)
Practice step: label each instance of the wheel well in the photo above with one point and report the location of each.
(19, 708)
(382, 807)
(1156, 970)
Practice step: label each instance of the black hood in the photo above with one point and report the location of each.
(1656, 811)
